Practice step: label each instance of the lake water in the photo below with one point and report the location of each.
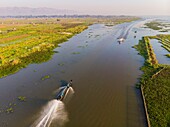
(104, 74)
(160, 52)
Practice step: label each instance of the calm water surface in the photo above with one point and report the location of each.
(160, 52)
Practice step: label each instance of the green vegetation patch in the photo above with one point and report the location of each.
(22, 98)
(61, 64)
(168, 55)
(158, 25)
(45, 77)
(76, 53)
(10, 110)
(157, 94)
(156, 86)
(32, 42)
(154, 25)
(62, 71)
(145, 49)
(38, 57)
(81, 46)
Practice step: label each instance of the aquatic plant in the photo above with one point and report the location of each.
(61, 64)
(10, 110)
(45, 77)
(21, 98)
(62, 71)
(76, 53)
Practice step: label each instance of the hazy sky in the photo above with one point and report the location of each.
(113, 7)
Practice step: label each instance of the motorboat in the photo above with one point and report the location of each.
(63, 91)
(121, 39)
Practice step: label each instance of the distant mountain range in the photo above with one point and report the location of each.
(25, 11)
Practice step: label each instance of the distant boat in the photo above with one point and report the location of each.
(121, 39)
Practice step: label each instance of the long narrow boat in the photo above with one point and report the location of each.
(62, 93)
(121, 39)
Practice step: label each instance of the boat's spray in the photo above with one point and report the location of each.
(54, 111)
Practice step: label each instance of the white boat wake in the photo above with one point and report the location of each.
(54, 111)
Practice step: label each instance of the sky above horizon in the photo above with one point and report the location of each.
(104, 7)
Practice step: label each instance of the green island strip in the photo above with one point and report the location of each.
(155, 86)
(32, 40)
(154, 25)
(157, 25)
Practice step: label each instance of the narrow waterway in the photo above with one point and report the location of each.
(160, 52)
(104, 73)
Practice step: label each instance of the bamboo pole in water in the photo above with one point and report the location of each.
(145, 107)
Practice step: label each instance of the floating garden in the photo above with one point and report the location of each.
(155, 83)
(32, 42)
